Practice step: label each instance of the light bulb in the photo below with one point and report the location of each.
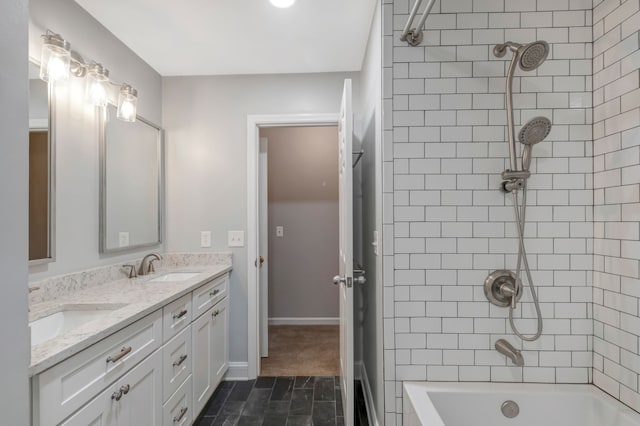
(126, 110)
(97, 80)
(57, 69)
(127, 103)
(97, 94)
(282, 3)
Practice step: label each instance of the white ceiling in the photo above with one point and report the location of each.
(217, 37)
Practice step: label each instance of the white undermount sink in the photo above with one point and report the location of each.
(58, 323)
(175, 276)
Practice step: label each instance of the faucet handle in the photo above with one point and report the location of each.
(151, 268)
(132, 270)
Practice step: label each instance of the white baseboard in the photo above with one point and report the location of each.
(237, 371)
(368, 397)
(304, 321)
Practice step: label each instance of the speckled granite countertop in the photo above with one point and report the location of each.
(128, 300)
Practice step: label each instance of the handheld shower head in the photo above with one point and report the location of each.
(532, 133)
(532, 55)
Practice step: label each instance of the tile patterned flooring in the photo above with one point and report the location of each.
(278, 401)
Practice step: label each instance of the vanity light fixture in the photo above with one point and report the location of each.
(56, 57)
(282, 3)
(97, 84)
(58, 61)
(127, 103)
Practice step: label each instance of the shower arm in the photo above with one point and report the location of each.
(509, 98)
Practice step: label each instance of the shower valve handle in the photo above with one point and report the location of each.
(509, 291)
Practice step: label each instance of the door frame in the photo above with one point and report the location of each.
(254, 124)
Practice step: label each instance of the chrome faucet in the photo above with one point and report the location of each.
(505, 348)
(146, 265)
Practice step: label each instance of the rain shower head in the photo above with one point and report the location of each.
(534, 131)
(531, 55)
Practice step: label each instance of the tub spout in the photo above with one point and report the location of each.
(505, 348)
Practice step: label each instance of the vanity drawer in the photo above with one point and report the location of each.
(178, 410)
(209, 294)
(176, 362)
(65, 387)
(176, 316)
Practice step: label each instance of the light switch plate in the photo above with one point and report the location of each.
(205, 238)
(236, 239)
(123, 239)
(279, 231)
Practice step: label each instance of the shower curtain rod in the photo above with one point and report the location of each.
(413, 36)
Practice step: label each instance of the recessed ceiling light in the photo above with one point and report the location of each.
(282, 3)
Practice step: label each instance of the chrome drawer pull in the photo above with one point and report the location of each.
(179, 417)
(123, 352)
(215, 313)
(180, 314)
(214, 292)
(180, 360)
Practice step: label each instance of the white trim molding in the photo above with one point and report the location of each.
(237, 371)
(254, 123)
(304, 321)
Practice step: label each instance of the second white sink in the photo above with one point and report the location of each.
(53, 325)
(175, 276)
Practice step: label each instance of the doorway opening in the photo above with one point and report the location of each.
(344, 280)
(298, 239)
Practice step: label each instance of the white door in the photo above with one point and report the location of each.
(345, 279)
(263, 236)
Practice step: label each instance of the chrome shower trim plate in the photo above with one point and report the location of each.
(493, 287)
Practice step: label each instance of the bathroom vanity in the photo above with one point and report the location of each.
(151, 353)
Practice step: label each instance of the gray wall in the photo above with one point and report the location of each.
(205, 119)
(14, 165)
(77, 150)
(303, 198)
(369, 297)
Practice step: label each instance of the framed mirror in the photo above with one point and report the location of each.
(41, 169)
(131, 183)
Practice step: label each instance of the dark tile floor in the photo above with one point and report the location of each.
(279, 401)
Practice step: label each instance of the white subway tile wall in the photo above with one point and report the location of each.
(616, 179)
(447, 225)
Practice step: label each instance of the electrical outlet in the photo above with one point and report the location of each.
(205, 238)
(123, 239)
(236, 239)
(279, 231)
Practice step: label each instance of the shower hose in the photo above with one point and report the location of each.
(519, 211)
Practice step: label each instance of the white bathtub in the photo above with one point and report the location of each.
(479, 404)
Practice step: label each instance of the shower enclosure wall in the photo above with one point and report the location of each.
(447, 225)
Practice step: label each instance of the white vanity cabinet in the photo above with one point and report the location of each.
(158, 371)
(67, 386)
(210, 339)
(133, 400)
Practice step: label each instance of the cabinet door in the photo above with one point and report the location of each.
(202, 369)
(142, 404)
(220, 340)
(102, 411)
